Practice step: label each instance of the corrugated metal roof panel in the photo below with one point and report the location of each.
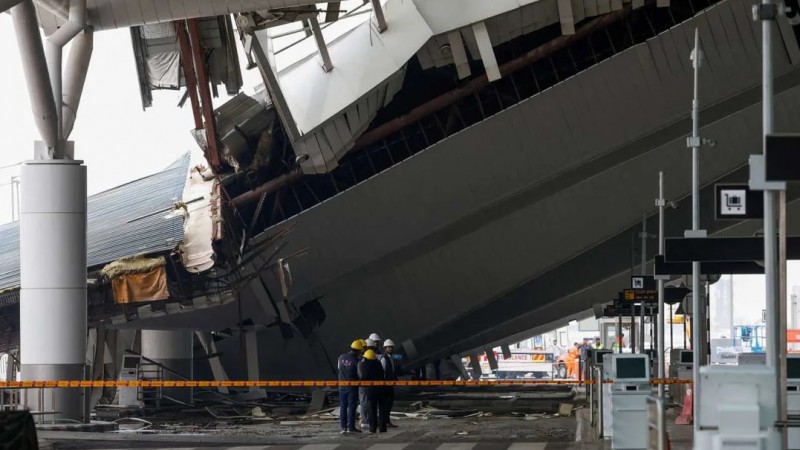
(123, 221)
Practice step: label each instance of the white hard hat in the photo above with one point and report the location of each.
(372, 343)
(375, 337)
(388, 343)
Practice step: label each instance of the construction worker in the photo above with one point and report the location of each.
(369, 344)
(348, 395)
(573, 361)
(376, 338)
(598, 345)
(620, 341)
(370, 369)
(391, 369)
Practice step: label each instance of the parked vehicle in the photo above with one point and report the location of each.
(523, 363)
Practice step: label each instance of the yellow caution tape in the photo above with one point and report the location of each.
(297, 383)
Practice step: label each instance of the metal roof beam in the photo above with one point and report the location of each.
(332, 12)
(459, 54)
(8, 4)
(376, 6)
(327, 65)
(487, 51)
(566, 16)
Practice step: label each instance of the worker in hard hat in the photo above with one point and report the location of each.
(391, 370)
(370, 369)
(619, 342)
(348, 395)
(369, 344)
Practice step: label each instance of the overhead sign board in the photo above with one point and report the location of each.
(627, 310)
(782, 157)
(707, 268)
(723, 249)
(645, 282)
(640, 295)
(672, 295)
(737, 201)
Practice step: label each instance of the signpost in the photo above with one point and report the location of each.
(640, 295)
(626, 310)
(643, 282)
(774, 209)
(672, 295)
(737, 202)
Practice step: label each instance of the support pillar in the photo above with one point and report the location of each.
(378, 9)
(491, 358)
(53, 281)
(456, 360)
(173, 350)
(475, 364)
(327, 65)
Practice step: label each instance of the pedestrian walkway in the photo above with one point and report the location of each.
(396, 446)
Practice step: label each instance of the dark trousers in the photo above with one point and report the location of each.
(369, 407)
(348, 402)
(385, 407)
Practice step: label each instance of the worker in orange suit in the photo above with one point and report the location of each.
(573, 361)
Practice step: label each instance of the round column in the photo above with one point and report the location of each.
(53, 281)
(174, 350)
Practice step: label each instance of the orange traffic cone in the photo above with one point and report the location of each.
(686, 417)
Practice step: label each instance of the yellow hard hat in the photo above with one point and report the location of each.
(363, 342)
(370, 354)
(357, 345)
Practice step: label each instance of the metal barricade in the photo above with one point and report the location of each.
(656, 424)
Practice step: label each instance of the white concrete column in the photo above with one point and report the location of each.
(53, 280)
(172, 349)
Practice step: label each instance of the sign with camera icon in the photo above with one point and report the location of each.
(737, 201)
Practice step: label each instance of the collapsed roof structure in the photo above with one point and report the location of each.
(451, 173)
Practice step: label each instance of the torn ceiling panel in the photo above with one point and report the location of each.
(158, 57)
(245, 126)
(201, 209)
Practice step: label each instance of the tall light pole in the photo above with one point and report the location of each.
(661, 203)
(694, 142)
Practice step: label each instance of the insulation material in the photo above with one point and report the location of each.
(138, 279)
(202, 224)
(163, 70)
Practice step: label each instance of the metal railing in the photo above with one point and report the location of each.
(656, 424)
(20, 400)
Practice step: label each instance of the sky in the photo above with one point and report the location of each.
(117, 140)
